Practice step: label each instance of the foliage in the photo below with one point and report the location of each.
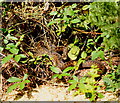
(112, 80)
(87, 84)
(59, 74)
(93, 30)
(65, 18)
(11, 44)
(106, 20)
(17, 83)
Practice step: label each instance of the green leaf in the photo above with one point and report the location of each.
(72, 81)
(14, 79)
(17, 44)
(69, 12)
(14, 50)
(11, 37)
(30, 54)
(68, 69)
(108, 81)
(10, 45)
(101, 55)
(21, 38)
(12, 87)
(17, 58)
(94, 55)
(24, 61)
(75, 21)
(71, 87)
(31, 60)
(1, 49)
(55, 75)
(85, 7)
(53, 13)
(83, 54)
(5, 41)
(74, 5)
(73, 53)
(27, 81)
(75, 78)
(6, 59)
(9, 31)
(22, 85)
(100, 95)
(25, 76)
(65, 74)
(22, 55)
(60, 76)
(55, 69)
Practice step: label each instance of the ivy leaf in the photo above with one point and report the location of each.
(55, 69)
(12, 87)
(6, 59)
(14, 79)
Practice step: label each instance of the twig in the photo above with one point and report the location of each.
(82, 31)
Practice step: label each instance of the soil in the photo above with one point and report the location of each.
(54, 93)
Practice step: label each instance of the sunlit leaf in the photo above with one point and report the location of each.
(73, 53)
(55, 75)
(5, 41)
(12, 87)
(55, 69)
(27, 81)
(17, 58)
(83, 54)
(71, 87)
(22, 85)
(53, 13)
(1, 49)
(14, 50)
(85, 7)
(68, 69)
(14, 79)
(75, 21)
(6, 59)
